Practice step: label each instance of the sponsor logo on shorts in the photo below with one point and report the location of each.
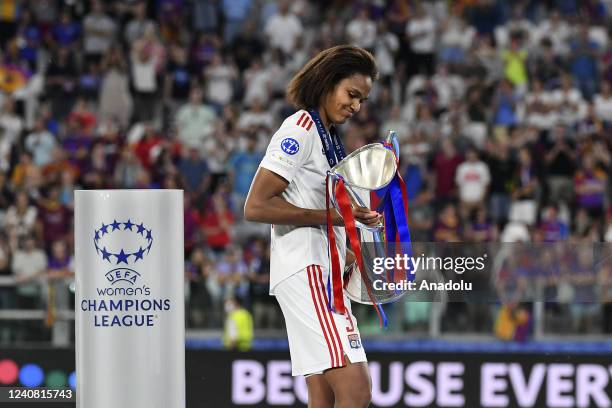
(354, 341)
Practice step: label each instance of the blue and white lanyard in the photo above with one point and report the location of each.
(332, 145)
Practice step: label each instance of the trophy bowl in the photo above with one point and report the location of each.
(370, 167)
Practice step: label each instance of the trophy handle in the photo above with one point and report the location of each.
(392, 140)
(357, 199)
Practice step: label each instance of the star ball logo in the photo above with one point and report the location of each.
(143, 238)
(126, 302)
(290, 146)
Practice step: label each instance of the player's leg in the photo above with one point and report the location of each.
(351, 385)
(320, 394)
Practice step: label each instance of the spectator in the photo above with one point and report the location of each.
(551, 227)
(99, 32)
(544, 65)
(89, 83)
(557, 30)
(61, 82)
(232, 274)
(472, 178)
(590, 186)
(584, 55)
(204, 49)
(242, 166)
(235, 13)
(517, 25)
(194, 170)
(26, 175)
(67, 187)
(332, 29)
(7, 197)
(238, 332)
(426, 124)
(195, 121)
(246, 46)
(256, 121)
(115, 98)
(40, 143)
(127, 169)
(20, 218)
(421, 33)
(11, 122)
(94, 173)
(66, 32)
(139, 24)
(603, 103)
(560, 165)
(386, 47)
(220, 77)
(58, 165)
(568, 102)
(524, 194)
(54, 219)
(197, 270)
(206, 15)
(539, 107)
(448, 87)
(144, 81)
(147, 147)
(502, 166)
(447, 227)
(218, 220)
(29, 264)
(505, 104)
(258, 83)
(193, 219)
(481, 229)
(456, 37)
(367, 123)
(361, 31)
(283, 29)
(6, 150)
(178, 80)
(445, 165)
(265, 311)
(60, 268)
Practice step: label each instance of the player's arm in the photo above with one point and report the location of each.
(265, 204)
(286, 155)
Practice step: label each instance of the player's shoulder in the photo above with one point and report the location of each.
(300, 121)
(294, 134)
(298, 126)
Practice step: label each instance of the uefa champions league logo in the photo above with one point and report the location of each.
(138, 235)
(290, 146)
(122, 297)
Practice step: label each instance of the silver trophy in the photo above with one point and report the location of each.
(367, 169)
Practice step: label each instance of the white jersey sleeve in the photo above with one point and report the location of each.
(288, 151)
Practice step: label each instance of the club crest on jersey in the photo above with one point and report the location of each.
(290, 146)
(354, 341)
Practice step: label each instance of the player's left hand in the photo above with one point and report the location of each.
(366, 216)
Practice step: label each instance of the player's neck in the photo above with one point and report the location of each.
(324, 118)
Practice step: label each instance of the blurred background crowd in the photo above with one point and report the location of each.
(503, 110)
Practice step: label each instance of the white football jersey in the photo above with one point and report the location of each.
(296, 154)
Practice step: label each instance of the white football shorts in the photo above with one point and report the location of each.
(318, 338)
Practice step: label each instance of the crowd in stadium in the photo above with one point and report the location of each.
(503, 111)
